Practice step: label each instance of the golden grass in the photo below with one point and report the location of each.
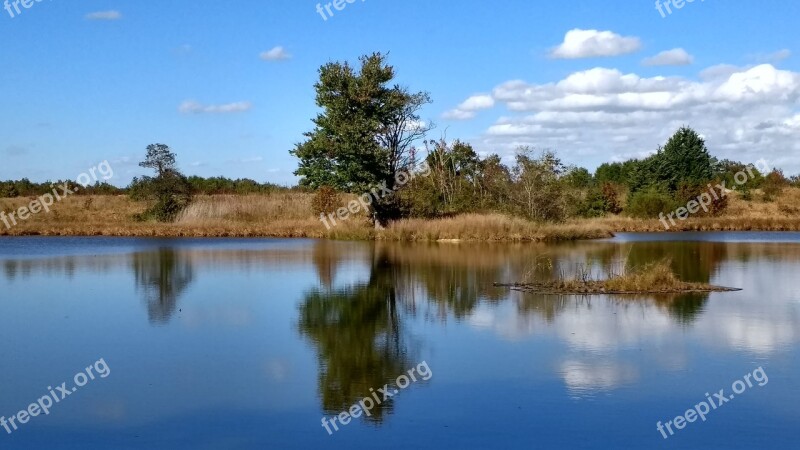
(290, 215)
(488, 227)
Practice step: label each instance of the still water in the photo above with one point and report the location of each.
(240, 344)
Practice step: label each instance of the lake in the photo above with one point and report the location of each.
(240, 344)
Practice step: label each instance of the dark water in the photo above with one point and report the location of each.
(239, 344)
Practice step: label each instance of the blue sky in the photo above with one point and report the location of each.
(229, 85)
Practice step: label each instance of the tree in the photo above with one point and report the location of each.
(363, 135)
(160, 158)
(578, 177)
(169, 192)
(684, 159)
(538, 192)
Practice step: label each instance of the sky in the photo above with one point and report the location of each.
(228, 85)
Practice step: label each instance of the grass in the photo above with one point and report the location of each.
(654, 278)
(290, 215)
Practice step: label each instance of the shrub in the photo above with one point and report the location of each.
(773, 185)
(611, 194)
(326, 200)
(600, 201)
(650, 203)
(170, 194)
(593, 205)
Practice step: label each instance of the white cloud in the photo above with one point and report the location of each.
(744, 113)
(193, 107)
(104, 15)
(468, 108)
(275, 54)
(593, 43)
(772, 58)
(674, 57)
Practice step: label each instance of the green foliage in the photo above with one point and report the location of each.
(726, 170)
(159, 158)
(684, 159)
(169, 191)
(649, 203)
(363, 135)
(222, 185)
(26, 188)
(578, 177)
(617, 172)
(538, 192)
(601, 200)
(593, 204)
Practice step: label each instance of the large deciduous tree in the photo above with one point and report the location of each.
(365, 132)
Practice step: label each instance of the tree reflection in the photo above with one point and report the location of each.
(357, 332)
(163, 275)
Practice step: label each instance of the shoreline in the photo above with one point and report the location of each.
(290, 215)
(578, 230)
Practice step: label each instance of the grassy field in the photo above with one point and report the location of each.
(290, 215)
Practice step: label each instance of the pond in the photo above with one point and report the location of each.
(250, 343)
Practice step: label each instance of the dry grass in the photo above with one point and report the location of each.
(290, 215)
(488, 227)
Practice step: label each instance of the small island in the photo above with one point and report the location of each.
(655, 278)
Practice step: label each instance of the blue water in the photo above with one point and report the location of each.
(239, 344)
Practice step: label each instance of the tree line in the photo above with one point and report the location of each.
(369, 129)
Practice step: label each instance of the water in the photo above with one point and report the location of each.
(239, 344)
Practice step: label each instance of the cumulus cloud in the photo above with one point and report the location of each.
(104, 15)
(275, 54)
(193, 107)
(593, 43)
(674, 57)
(469, 107)
(609, 115)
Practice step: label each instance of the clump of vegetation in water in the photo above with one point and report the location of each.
(654, 278)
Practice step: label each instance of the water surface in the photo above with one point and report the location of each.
(239, 344)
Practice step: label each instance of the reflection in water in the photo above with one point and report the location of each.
(357, 329)
(163, 275)
(360, 329)
(357, 333)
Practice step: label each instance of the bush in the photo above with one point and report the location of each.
(170, 194)
(692, 192)
(650, 203)
(611, 194)
(773, 185)
(326, 200)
